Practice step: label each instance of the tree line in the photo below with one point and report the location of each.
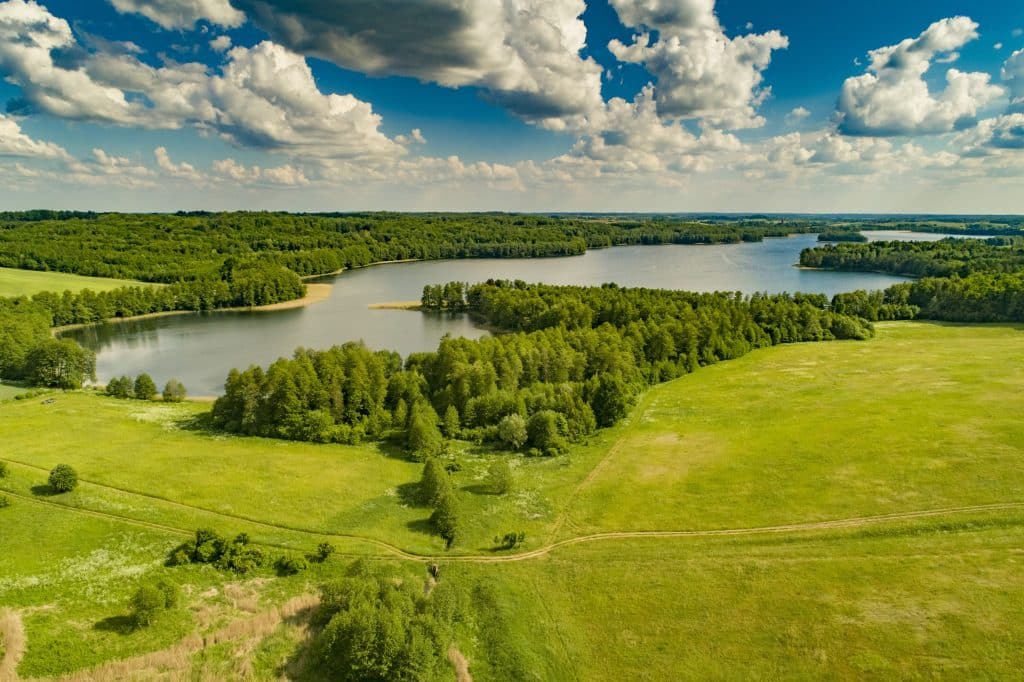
(573, 359)
(963, 280)
(191, 246)
(29, 353)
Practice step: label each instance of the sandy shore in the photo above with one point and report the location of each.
(315, 293)
(396, 305)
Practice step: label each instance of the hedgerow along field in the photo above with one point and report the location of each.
(27, 282)
(923, 417)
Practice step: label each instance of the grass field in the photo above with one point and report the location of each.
(924, 417)
(27, 282)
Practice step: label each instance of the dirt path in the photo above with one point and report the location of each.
(460, 664)
(855, 522)
(12, 636)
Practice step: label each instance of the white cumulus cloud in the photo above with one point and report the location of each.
(524, 54)
(182, 13)
(700, 71)
(264, 97)
(892, 98)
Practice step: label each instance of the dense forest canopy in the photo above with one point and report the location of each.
(573, 360)
(170, 248)
(964, 280)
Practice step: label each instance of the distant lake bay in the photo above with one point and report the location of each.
(199, 349)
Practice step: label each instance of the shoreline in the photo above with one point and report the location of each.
(315, 293)
(396, 305)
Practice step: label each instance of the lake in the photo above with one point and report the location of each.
(199, 349)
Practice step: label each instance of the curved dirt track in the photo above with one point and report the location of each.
(12, 633)
(837, 524)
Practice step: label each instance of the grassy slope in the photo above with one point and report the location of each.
(28, 282)
(789, 434)
(923, 417)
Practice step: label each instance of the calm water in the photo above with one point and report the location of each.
(200, 349)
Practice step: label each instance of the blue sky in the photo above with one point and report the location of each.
(629, 105)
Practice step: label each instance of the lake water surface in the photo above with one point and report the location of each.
(199, 349)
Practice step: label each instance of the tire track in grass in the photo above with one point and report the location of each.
(838, 524)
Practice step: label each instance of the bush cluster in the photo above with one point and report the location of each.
(208, 547)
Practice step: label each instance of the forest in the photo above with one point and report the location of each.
(964, 280)
(573, 359)
(25, 322)
(172, 248)
(944, 258)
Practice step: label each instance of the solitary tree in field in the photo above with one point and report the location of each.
(3, 469)
(499, 478)
(435, 481)
(145, 387)
(174, 391)
(63, 478)
(445, 518)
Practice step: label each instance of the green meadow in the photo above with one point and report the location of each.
(28, 282)
(841, 511)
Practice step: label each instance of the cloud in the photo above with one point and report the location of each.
(182, 13)
(184, 171)
(994, 136)
(892, 97)
(284, 176)
(1013, 75)
(221, 43)
(14, 142)
(524, 54)
(700, 72)
(797, 116)
(264, 97)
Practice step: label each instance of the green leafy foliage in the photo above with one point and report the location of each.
(447, 516)
(380, 625)
(145, 387)
(174, 391)
(120, 388)
(208, 547)
(500, 480)
(60, 363)
(290, 565)
(63, 479)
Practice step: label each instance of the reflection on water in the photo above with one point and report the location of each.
(199, 349)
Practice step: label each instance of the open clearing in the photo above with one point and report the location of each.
(841, 510)
(28, 282)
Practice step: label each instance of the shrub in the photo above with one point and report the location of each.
(545, 432)
(323, 552)
(174, 391)
(145, 387)
(210, 548)
(146, 604)
(512, 431)
(290, 565)
(121, 387)
(434, 483)
(3, 470)
(170, 590)
(63, 479)
(4, 501)
(499, 478)
(510, 540)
